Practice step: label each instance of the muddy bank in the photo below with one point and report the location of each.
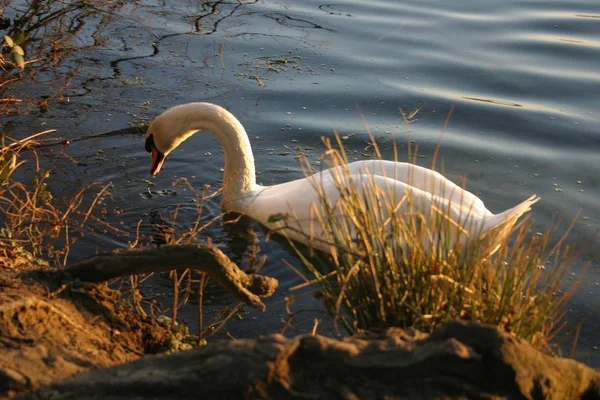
(53, 325)
(49, 331)
(458, 361)
(54, 328)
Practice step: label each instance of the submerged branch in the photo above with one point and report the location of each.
(206, 258)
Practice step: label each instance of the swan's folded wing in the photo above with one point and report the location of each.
(423, 179)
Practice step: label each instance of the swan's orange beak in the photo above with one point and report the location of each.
(158, 158)
(157, 161)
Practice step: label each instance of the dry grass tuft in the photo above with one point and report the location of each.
(391, 267)
(34, 225)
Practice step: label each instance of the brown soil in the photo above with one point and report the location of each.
(51, 329)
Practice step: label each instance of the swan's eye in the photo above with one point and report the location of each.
(150, 143)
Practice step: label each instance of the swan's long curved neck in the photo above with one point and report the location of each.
(240, 176)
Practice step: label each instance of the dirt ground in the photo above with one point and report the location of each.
(51, 329)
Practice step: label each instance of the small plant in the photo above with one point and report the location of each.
(15, 50)
(391, 267)
(35, 226)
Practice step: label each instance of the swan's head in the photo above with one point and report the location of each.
(164, 134)
(175, 125)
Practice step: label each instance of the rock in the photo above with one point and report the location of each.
(457, 361)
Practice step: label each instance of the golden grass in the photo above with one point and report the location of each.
(394, 266)
(34, 225)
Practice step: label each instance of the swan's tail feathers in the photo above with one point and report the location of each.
(514, 213)
(497, 227)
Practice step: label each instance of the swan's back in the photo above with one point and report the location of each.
(421, 178)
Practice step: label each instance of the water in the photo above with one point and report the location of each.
(521, 75)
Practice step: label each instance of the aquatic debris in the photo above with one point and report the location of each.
(257, 79)
(149, 194)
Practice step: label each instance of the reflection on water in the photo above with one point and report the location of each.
(55, 36)
(522, 76)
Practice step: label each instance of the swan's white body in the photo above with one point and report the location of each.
(243, 195)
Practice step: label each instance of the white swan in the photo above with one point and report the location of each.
(243, 195)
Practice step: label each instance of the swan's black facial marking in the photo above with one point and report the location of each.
(150, 143)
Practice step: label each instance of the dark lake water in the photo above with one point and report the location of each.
(523, 77)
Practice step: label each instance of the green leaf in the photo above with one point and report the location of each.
(278, 217)
(18, 49)
(7, 165)
(9, 41)
(19, 38)
(44, 192)
(18, 59)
